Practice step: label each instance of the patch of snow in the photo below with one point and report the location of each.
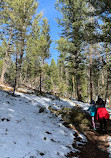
(26, 133)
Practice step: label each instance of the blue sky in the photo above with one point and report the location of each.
(48, 7)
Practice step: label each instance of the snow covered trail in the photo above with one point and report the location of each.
(26, 132)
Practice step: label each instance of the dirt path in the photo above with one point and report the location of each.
(97, 145)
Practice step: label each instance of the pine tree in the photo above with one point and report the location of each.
(102, 10)
(54, 74)
(47, 39)
(20, 14)
(37, 51)
(47, 78)
(62, 46)
(73, 12)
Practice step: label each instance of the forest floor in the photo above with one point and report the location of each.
(96, 146)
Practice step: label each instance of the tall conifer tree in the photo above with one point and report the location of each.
(73, 12)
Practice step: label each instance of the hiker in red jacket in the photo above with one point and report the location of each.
(102, 116)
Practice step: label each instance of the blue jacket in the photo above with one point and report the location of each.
(92, 110)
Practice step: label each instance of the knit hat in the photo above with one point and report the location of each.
(92, 102)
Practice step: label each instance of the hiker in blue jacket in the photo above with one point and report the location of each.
(92, 109)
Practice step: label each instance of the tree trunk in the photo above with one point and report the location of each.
(79, 97)
(4, 68)
(110, 101)
(107, 85)
(61, 72)
(15, 83)
(98, 88)
(19, 70)
(73, 86)
(6, 59)
(106, 95)
(66, 81)
(20, 60)
(90, 69)
(40, 83)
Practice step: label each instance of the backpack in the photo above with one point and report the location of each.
(102, 113)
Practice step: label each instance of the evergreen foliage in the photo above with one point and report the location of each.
(83, 70)
(54, 74)
(81, 33)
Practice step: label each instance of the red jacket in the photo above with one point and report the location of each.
(102, 113)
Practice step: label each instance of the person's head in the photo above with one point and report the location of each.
(92, 102)
(100, 101)
(99, 97)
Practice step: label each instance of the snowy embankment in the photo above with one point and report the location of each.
(29, 130)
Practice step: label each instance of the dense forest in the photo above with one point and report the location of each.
(83, 70)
